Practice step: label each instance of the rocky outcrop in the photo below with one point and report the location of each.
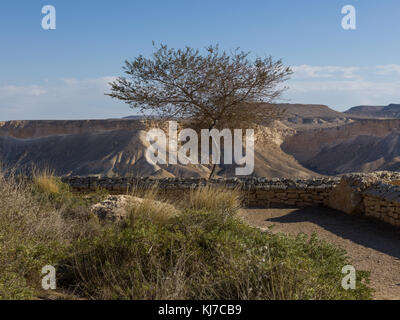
(116, 207)
(361, 154)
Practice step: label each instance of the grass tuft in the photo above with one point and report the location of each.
(46, 181)
(215, 199)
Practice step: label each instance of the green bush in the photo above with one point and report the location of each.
(206, 255)
(50, 190)
(39, 221)
(32, 235)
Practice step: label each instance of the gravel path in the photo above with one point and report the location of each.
(371, 245)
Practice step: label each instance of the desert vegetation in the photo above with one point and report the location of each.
(195, 248)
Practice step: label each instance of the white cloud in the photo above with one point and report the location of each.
(388, 69)
(61, 99)
(10, 91)
(322, 72)
(343, 87)
(341, 95)
(307, 71)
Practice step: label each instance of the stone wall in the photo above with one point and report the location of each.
(256, 191)
(382, 202)
(372, 195)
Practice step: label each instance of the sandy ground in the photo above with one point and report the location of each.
(371, 245)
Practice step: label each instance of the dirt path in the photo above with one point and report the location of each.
(371, 245)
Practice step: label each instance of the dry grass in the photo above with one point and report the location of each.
(215, 199)
(46, 181)
(29, 231)
(150, 207)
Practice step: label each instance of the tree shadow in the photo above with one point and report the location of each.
(367, 232)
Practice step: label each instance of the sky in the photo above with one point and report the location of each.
(64, 73)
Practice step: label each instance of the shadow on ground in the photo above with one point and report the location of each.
(368, 233)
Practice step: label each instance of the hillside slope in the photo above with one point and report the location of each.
(307, 116)
(363, 154)
(309, 140)
(389, 111)
(121, 153)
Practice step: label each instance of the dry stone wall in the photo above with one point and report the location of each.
(382, 201)
(256, 191)
(372, 195)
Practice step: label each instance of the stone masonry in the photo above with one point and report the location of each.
(372, 195)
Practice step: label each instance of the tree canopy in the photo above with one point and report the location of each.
(211, 89)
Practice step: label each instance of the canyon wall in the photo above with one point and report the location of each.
(116, 147)
(30, 129)
(306, 144)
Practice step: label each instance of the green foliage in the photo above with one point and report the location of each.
(205, 255)
(32, 235)
(212, 88)
(200, 252)
(61, 196)
(38, 223)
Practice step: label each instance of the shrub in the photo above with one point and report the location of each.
(199, 255)
(49, 189)
(38, 223)
(206, 254)
(31, 235)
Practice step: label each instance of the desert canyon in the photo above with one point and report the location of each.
(310, 140)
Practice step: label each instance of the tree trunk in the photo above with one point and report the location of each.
(212, 171)
(214, 165)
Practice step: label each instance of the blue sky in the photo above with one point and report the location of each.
(63, 73)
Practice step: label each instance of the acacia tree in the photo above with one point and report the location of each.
(213, 89)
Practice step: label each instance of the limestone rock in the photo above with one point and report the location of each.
(116, 207)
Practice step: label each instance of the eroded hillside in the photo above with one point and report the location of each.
(308, 141)
(88, 148)
(363, 145)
